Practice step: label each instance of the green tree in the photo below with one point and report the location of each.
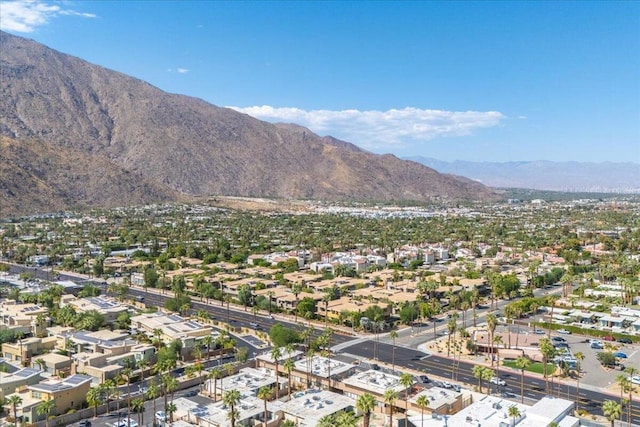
(612, 410)
(548, 352)
(423, 403)
(94, 398)
(289, 365)
(514, 413)
(231, 398)
(406, 380)
(264, 393)
(522, 363)
(393, 335)
(365, 404)
(45, 408)
(14, 400)
(390, 397)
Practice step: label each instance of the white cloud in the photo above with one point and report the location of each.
(381, 128)
(182, 70)
(25, 16)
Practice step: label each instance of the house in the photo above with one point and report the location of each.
(67, 393)
(29, 319)
(108, 307)
(307, 409)
(25, 349)
(10, 383)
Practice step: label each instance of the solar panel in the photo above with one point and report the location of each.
(175, 318)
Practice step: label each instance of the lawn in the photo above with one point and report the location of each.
(536, 367)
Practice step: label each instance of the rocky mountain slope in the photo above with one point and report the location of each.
(136, 143)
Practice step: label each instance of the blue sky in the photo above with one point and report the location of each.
(493, 81)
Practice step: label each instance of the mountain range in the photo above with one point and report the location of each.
(605, 177)
(74, 134)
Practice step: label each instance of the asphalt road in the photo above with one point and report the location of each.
(461, 371)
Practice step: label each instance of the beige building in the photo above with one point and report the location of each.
(67, 393)
(26, 349)
(11, 383)
(107, 307)
(26, 318)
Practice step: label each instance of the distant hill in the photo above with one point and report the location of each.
(603, 177)
(79, 135)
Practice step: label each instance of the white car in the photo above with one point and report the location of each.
(161, 416)
(126, 422)
(634, 379)
(498, 381)
(563, 331)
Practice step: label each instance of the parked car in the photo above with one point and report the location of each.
(620, 355)
(126, 422)
(424, 379)
(558, 339)
(538, 331)
(596, 344)
(634, 379)
(564, 331)
(84, 423)
(625, 340)
(161, 416)
(498, 381)
(609, 338)
(446, 384)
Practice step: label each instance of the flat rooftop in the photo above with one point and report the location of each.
(322, 366)
(437, 397)
(248, 381)
(310, 407)
(375, 381)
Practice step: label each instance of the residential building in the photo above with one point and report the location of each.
(67, 393)
(11, 382)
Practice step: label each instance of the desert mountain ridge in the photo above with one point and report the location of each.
(76, 134)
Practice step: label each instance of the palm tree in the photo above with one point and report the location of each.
(548, 351)
(128, 373)
(611, 410)
(142, 365)
(522, 363)
(423, 402)
(107, 388)
(393, 335)
(153, 392)
(406, 380)
(264, 393)
(487, 374)
(579, 358)
(45, 408)
(492, 322)
(296, 289)
(289, 423)
(514, 413)
(390, 397)
(171, 408)
(289, 365)
(498, 340)
(276, 354)
(14, 400)
(231, 399)
(478, 372)
(138, 407)
(365, 404)
(630, 388)
(451, 328)
(208, 342)
(94, 398)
